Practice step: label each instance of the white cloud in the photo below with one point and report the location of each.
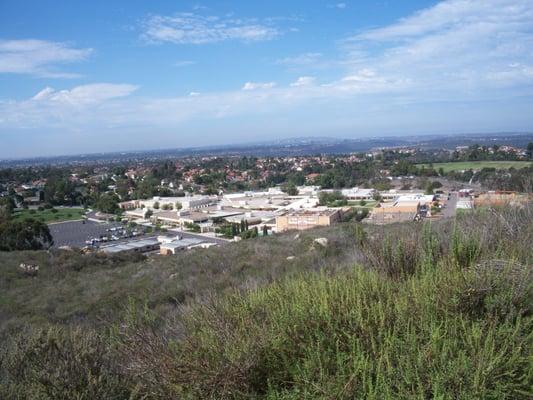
(190, 28)
(184, 63)
(455, 48)
(38, 57)
(258, 85)
(300, 59)
(340, 6)
(304, 81)
(85, 94)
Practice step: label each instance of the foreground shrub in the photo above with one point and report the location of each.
(61, 364)
(358, 336)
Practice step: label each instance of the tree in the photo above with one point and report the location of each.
(24, 235)
(529, 150)
(59, 190)
(436, 185)
(7, 205)
(291, 189)
(331, 199)
(429, 188)
(108, 203)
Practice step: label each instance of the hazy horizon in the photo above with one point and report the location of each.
(80, 78)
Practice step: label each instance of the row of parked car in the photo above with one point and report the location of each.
(115, 233)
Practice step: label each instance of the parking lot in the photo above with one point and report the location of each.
(75, 233)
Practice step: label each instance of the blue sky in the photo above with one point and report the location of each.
(81, 76)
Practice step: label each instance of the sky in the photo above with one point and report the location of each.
(99, 76)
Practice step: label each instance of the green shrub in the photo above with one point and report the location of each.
(465, 249)
(60, 363)
(358, 335)
(393, 255)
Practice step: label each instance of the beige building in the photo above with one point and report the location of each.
(306, 219)
(395, 212)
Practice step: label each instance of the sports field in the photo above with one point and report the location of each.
(51, 215)
(477, 165)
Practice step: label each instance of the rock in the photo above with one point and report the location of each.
(321, 241)
(29, 269)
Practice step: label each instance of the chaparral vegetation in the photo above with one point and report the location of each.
(420, 310)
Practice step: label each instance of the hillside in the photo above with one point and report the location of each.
(408, 311)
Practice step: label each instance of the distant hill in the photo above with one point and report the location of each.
(287, 147)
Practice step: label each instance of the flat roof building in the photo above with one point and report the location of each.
(140, 246)
(306, 219)
(357, 193)
(175, 246)
(395, 212)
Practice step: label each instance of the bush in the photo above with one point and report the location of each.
(393, 255)
(58, 363)
(498, 288)
(357, 335)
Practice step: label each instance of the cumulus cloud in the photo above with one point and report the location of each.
(190, 28)
(39, 57)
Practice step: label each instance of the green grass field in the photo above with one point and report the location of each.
(466, 165)
(48, 216)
